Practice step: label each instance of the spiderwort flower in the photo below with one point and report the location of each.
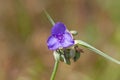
(60, 37)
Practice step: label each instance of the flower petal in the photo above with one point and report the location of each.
(68, 40)
(53, 43)
(58, 28)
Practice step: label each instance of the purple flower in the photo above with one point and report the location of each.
(60, 37)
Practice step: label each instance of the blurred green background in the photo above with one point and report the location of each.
(24, 29)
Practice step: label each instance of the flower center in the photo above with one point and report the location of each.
(60, 37)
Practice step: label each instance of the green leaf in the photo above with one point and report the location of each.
(80, 42)
(49, 17)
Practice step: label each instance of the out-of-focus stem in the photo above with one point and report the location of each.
(54, 70)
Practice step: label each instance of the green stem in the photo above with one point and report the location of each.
(54, 70)
(80, 42)
(56, 61)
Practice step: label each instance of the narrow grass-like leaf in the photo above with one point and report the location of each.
(49, 17)
(80, 42)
